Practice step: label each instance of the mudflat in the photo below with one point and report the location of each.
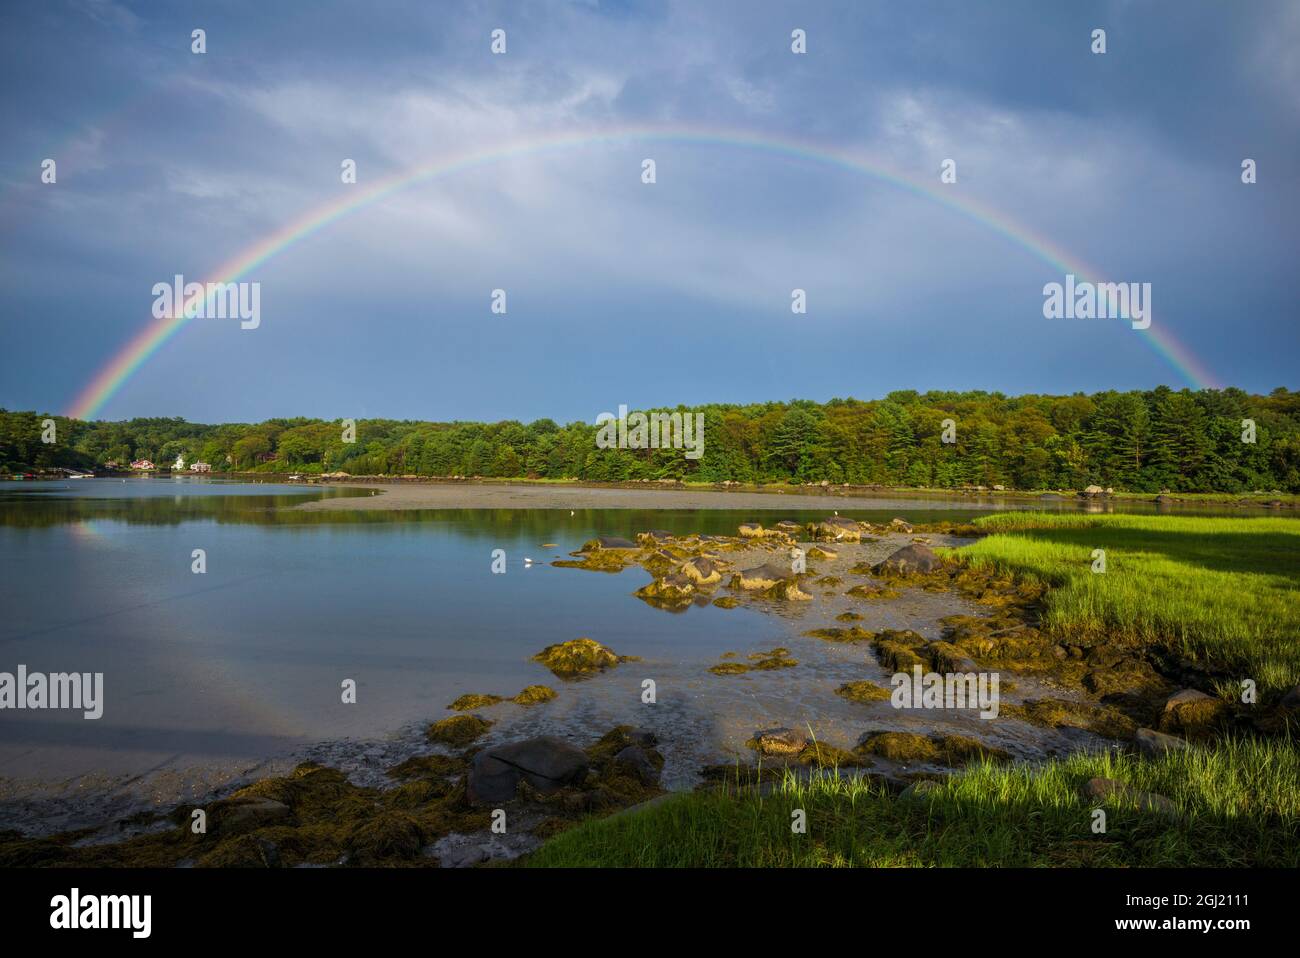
(464, 495)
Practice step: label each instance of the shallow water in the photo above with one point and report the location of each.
(210, 676)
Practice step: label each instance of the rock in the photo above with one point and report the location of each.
(817, 552)
(779, 741)
(1103, 789)
(751, 530)
(457, 731)
(1093, 491)
(863, 691)
(607, 542)
(998, 487)
(641, 736)
(702, 572)
(837, 528)
(1186, 697)
(471, 701)
(578, 657)
(673, 592)
(251, 812)
(910, 558)
(905, 747)
(776, 579)
(534, 695)
(1152, 743)
(900, 525)
(546, 763)
(634, 759)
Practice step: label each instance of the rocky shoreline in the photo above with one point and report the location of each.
(455, 794)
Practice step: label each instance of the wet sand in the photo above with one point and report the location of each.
(465, 495)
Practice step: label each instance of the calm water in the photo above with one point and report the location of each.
(246, 660)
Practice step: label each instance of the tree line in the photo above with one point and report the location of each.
(1141, 441)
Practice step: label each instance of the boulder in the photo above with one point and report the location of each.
(900, 525)
(547, 763)
(1094, 491)
(702, 571)
(911, 558)
(1103, 789)
(764, 576)
(1151, 743)
(838, 529)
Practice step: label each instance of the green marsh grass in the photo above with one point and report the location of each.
(1223, 593)
(1238, 805)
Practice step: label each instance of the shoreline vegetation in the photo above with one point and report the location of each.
(1223, 440)
(1153, 656)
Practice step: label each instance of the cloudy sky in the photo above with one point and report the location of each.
(620, 292)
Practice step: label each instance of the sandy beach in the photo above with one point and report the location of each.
(460, 495)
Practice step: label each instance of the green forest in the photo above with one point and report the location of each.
(1139, 441)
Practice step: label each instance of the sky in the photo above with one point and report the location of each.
(618, 291)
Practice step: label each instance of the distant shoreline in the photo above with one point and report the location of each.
(399, 495)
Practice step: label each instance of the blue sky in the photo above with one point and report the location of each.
(619, 292)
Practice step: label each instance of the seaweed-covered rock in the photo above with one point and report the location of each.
(821, 755)
(633, 760)
(835, 634)
(1192, 713)
(779, 741)
(457, 731)
(775, 580)
(248, 812)
(836, 529)
(863, 691)
(751, 530)
(578, 658)
(546, 763)
(702, 571)
(607, 542)
(1067, 713)
(386, 836)
(675, 591)
(897, 524)
(817, 552)
(535, 695)
(905, 747)
(873, 590)
(910, 748)
(910, 558)
(471, 701)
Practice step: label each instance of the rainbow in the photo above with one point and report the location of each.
(123, 365)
